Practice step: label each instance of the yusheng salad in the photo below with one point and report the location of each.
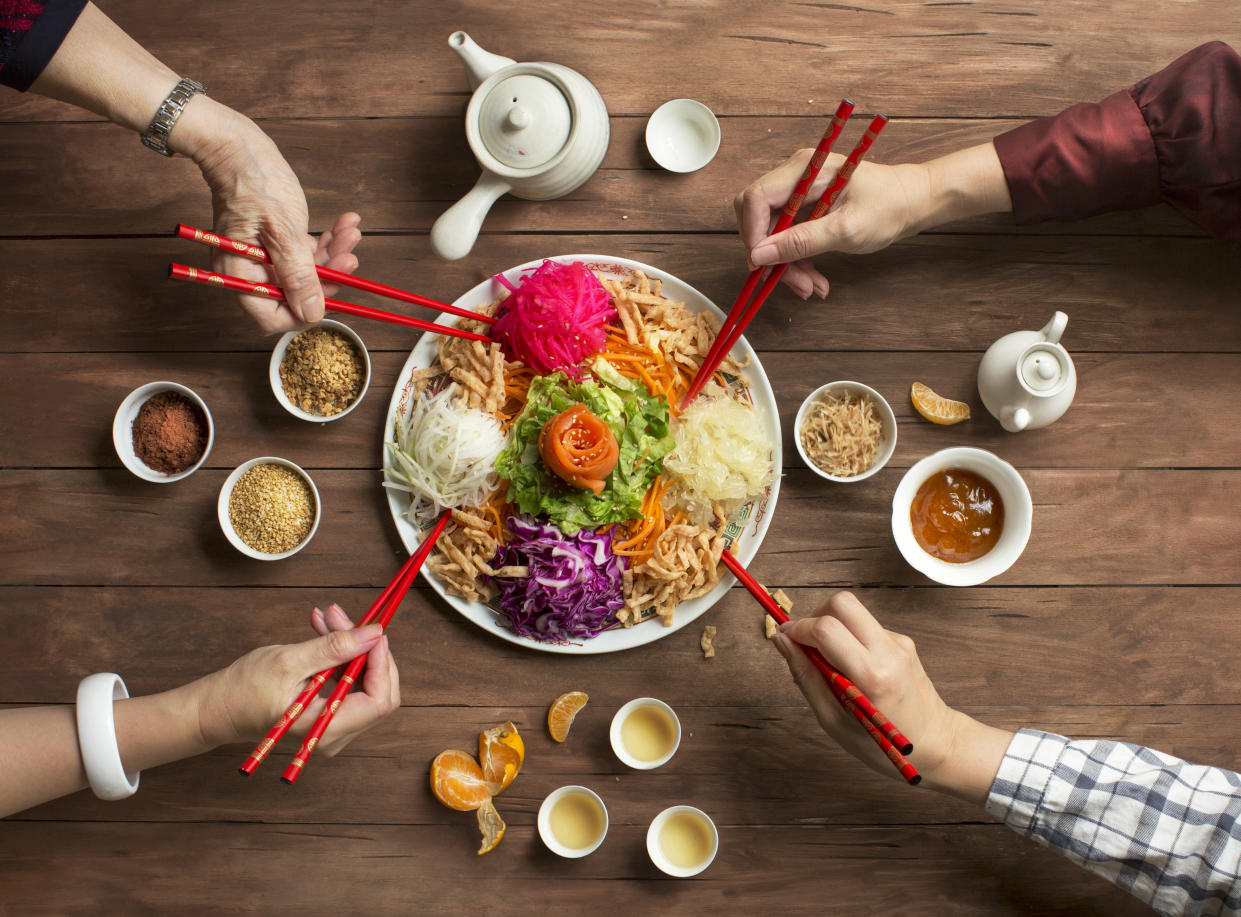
(581, 499)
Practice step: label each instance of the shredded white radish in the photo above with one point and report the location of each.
(444, 455)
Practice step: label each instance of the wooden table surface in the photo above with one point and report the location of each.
(1118, 620)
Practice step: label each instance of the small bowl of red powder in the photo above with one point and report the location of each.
(162, 432)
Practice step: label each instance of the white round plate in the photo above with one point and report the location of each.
(745, 543)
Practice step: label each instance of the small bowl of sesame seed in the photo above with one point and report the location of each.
(320, 373)
(268, 508)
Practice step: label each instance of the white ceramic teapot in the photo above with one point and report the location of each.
(538, 130)
(1026, 379)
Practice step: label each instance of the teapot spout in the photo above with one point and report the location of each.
(1014, 420)
(479, 64)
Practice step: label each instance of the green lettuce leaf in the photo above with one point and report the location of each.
(638, 420)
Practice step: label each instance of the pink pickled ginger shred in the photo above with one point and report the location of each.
(555, 318)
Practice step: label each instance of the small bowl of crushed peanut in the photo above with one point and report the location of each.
(268, 508)
(845, 431)
(320, 374)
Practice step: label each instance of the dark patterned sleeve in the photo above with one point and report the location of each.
(30, 33)
(1175, 137)
(1164, 830)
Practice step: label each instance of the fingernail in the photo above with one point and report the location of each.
(335, 607)
(370, 633)
(763, 254)
(785, 626)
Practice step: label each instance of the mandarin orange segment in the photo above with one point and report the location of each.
(491, 826)
(501, 752)
(457, 780)
(562, 711)
(937, 408)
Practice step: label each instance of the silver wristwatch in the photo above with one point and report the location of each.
(156, 136)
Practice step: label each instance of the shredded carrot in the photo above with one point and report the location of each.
(641, 534)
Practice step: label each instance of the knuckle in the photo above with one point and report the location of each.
(338, 643)
(824, 630)
(848, 227)
(905, 644)
(841, 600)
(285, 662)
(749, 199)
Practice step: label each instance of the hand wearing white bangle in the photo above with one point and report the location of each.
(101, 755)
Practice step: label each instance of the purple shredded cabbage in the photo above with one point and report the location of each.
(574, 588)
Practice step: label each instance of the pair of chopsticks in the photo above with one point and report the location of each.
(741, 314)
(383, 608)
(215, 240)
(891, 741)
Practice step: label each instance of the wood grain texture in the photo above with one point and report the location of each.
(83, 393)
(897, 56)
(103, 180)
(724, 765)
(1091, 527)
(1119, 621)
(433, 870)
(933, 293)
(1104, 647)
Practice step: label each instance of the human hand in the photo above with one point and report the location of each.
(239, 703)
(878, 206)
(257, 198)
(953, 752)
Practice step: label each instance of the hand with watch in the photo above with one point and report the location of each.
(255, 195)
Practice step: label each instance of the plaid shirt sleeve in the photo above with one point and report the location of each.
(1166, 831)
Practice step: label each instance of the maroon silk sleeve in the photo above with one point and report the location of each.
(1174, 136)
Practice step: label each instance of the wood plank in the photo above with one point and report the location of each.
(932, 293)
(724, 751)
(1103, 429)
(75, 869)
(375, 59)
(1060, 645)
(402, 173)
(1120, 527)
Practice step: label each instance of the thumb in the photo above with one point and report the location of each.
(796, 243)
(294, 264)
(337, 647)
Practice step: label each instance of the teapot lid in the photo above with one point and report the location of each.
(1044, 368)
(524, 121)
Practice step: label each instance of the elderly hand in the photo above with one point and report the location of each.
(240, 703)
(953, 752)
(257, 199)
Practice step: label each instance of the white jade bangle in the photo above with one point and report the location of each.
(101, 756)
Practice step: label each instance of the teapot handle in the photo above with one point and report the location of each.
(1053, 329)
(455, 232)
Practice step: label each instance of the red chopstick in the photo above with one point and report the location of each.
(725, 340)
(889, 739)
(787, 216)
(294, 770)
(215, 240)
(198, 275)
(276, 733)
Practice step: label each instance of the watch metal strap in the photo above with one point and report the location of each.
(156, 136)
